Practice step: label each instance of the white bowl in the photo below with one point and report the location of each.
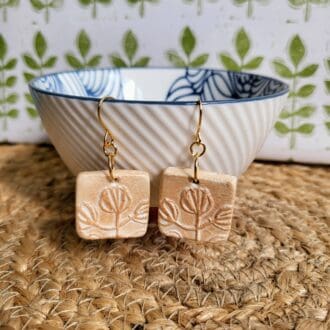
(154, 116)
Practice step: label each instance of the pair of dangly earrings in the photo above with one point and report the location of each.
(193, 204)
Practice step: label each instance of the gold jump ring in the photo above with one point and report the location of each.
(109, 146)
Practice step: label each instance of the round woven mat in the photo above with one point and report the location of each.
(273, 273)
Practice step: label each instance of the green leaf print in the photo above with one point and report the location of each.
(83, 44)
(199, 4)
(304, 112)
(326, 107)
(37, 63)
(305, 128)
(242, 44)
(306, 90)
(32, 112)
(130, 45)
(93, 4)
(254, 63)
(8, 98)
(308, 71)
(199, 60)
(188, 44)
(249, 5)
(4, 5)
(229, 63)
(282, 70)
(188, 41)
(130, 48)
(142, 61)
(296, 50)
(281, 127)
(295, 73)
(307, 6)
(46, 6)
(40, 45)
(141, 4)
(175, 58)
(3, 47)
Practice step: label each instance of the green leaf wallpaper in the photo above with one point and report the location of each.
(242, 44)
(294, 118)
(287, 39)
(130, 47)
(326, 107)
(83, 60)
(187, 42)
(8, 97)
(36, 64)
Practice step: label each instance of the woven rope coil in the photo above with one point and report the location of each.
(273, 273)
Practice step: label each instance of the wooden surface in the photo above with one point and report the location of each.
(272, 273)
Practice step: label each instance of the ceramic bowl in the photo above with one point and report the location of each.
(154, 114)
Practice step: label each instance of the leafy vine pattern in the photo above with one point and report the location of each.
(36, 63)
(326, 107)
(198, 202)
(83, 44)
(112, 214)
(130, 48)
(291, 118)
(8, 98)
(242, 47)
(188, 44)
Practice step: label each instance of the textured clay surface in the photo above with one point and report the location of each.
(117, 209)
(202, 212)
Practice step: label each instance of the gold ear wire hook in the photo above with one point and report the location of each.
(197, 148)
(109, 145)
(99, 112)
(199, 125)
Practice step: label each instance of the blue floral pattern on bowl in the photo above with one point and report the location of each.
(216, 84)
(178, 85)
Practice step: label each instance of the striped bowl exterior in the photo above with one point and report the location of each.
(152, 137)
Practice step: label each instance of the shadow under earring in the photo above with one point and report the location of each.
(113, 203)
(196, 204)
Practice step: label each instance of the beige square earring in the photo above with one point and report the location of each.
(113, 203)
(196, 204)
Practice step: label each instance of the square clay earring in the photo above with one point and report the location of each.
(195, 204)
(112, 204)
(199, 211)
(112, 209)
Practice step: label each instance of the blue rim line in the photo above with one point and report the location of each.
(32, 86)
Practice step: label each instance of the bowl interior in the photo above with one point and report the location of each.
(160, 85)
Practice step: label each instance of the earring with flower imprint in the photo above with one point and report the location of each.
(113, 203)
(196, 204)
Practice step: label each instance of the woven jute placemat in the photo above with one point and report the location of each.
(273, 273)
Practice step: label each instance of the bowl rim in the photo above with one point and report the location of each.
(32, 86)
